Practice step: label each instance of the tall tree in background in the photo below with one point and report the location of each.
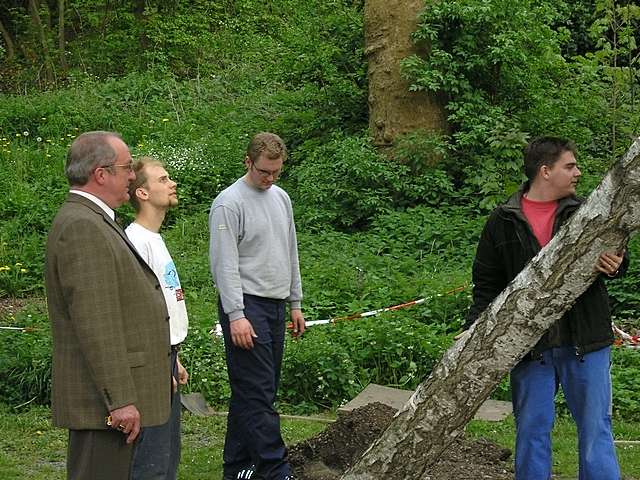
(8, 42)
(34, 12)
(393, 108)
(61, 36)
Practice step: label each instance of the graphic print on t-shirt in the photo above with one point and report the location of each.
(172, 281)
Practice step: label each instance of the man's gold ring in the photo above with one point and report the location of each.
(121, 428)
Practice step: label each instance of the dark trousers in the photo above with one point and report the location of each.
(157, 452)
(253, 425)
(98, 455)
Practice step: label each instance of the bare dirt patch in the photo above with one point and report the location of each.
(327, 455)
(11, 306)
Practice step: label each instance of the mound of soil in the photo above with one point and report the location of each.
(327, 455)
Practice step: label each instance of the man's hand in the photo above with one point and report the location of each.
(609, 263)
(297, 320)
(242, 333)
(183, 376)
(127, 420)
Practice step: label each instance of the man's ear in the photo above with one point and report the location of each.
(247, 162)
(544, 171)
(99, 175)
(142, 194)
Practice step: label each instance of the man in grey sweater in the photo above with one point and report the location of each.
(254, 261)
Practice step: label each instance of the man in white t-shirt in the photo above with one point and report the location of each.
(157, 452)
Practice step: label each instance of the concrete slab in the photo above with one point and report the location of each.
(490, 410)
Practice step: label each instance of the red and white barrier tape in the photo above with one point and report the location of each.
(217, 331)
(624, 339)
(373, 313)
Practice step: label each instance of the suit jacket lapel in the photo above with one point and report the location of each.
(73, 198)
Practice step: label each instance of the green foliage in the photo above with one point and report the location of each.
(505, 72)
(347, 274)
(203, 357)
(623, 291)
(187, 39)
(190, 82)
(446, 233)
(624, 371)
(420, 150)
(25, 357)
(346, 183)
(394, 349)
(331, 364)
(31, 192)
(317, 373)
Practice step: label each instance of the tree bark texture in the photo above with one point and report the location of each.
(39, 28)
(61, 36)
(393, 109)
(8, 42)
(507, 330)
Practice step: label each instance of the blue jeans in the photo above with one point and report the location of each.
(253, 425)
(156, 455)
(586, 383)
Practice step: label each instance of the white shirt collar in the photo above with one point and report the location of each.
(108, 210)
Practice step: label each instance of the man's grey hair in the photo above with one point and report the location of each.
(88, 152)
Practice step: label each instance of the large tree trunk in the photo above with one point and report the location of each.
(393, 109)
(441, 406)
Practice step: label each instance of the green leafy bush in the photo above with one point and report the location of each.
(624, 291)
(508, 76)
(203, 356)
(31, 191)
(345, 184)
(393, 349)
(317, 373)
(445, 232)
(25, 357)
(624, 372)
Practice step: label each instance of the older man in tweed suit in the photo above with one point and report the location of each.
(109, 320)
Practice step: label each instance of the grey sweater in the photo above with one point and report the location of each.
(253, 247)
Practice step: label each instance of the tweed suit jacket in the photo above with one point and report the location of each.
(109, 322)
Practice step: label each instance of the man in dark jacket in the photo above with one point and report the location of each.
(575, 351)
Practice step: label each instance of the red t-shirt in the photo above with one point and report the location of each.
(540, 216)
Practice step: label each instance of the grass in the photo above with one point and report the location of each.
(31, 448)
(565, 451)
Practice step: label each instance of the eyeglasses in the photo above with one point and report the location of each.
(267, 173)
(127, 166)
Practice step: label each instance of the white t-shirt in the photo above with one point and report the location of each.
(151, 247)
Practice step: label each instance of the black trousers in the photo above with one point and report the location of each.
(253, 425)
